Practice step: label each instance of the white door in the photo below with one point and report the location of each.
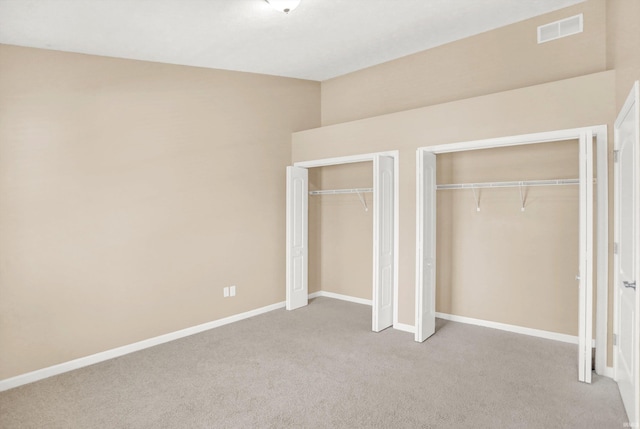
(297, 237)
(383, 243)
(585, 276)
(426, 246)
(626, 254)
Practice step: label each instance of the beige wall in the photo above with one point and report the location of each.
(132, 193)
(571, 103)
(123, 207)
(501, 263)
(623, 45)
(623, 56)
(341, 231)
(498, 60)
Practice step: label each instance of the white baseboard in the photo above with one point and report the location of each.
(572, 339)
(341, 297)
(398, 326)
(30, 377)
(404, 327)
(608, 372)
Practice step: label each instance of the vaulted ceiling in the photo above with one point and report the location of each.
(319, 40)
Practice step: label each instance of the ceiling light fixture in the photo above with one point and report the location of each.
(285, 6)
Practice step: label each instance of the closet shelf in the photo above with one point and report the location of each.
(515, 184)
(341, 191)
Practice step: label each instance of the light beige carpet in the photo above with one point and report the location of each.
(322, 367)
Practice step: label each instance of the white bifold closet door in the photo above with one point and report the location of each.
(426, 246)
(585, 276)
(297, 237)
(426, 237)
(383, 243)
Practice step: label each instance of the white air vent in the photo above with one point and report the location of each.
(563, 28)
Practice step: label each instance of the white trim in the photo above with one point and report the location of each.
(404, 327)
(585, 273)
(608, 372)
(341, 297)
(395, 154)
(602, 251)
(344, 159)
(396, 233)
(40, 374)
(600, 132)
(399, 326)
(571, 339)
(544, 137)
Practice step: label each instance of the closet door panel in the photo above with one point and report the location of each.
(585, 277)
(426, 246)
(383, 243)
(297, 237)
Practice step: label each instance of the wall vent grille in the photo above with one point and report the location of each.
(559, 29)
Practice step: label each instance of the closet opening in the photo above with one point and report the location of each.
(344, 197)
(340, 231)
(516, 239)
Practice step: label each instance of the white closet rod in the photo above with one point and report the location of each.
(341, 191)
(552, 182)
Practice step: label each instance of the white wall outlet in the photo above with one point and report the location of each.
(226, 292)
(232, 290)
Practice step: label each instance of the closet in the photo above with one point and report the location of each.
(512, 234)
(508, 235)
(345, 192)
(340, 230)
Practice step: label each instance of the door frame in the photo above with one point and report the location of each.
(599, 132)
(350, 159)
(632, 99)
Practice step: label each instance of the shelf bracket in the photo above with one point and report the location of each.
(522, 197)
(363, 201)
(476, 198)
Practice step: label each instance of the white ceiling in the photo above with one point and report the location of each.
(319, 40)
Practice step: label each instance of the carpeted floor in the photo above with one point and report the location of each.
(322, 367)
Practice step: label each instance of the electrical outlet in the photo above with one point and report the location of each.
(232, 290)
(226, 292)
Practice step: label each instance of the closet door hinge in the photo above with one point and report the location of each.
(615, 339)
(616, 155)
(615, 248)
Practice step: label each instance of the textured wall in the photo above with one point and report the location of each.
(502, 263)
(571, 103)
(341, 231)
(132, 193)
(623, 44)
(498, 60)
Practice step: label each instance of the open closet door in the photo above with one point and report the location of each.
(426, 246)
(383, 243)
(626, 350)
(297, 237)
(585, 276)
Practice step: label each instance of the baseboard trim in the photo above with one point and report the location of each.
(511, 328)
(608, 372)
(398, 326)
(404, 327)
(339, 296)
(40, 374)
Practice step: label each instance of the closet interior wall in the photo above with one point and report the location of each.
(341, 231)
(502, 264)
